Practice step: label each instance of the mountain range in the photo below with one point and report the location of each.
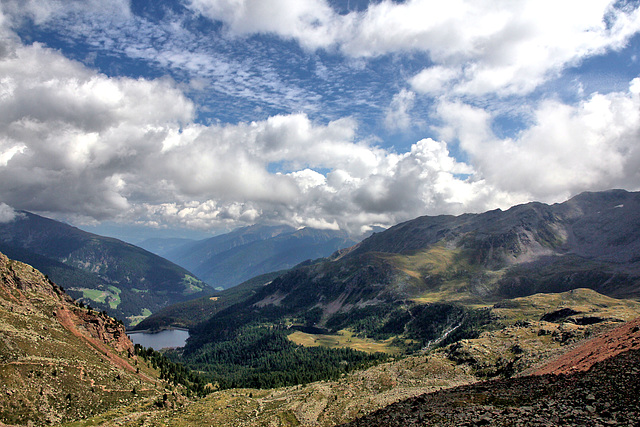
(124, 280)
(428, 282)
(61, 362)
(229, 259)
(434, 302)
(590, 241)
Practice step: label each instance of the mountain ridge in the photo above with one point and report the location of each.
(112, 275)
(230, 259)
(436, 279)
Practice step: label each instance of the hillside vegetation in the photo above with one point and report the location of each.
(124, 280)
(518, 342)
(59, 361)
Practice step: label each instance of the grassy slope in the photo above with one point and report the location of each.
(51, 370)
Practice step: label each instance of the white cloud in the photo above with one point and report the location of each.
(7, 213)
(568, 149)
(66, 131)
(505, 47)
(477, 46)
(311, 22)
(398, 116)
(77, 142)
(435, 80)
(41, 11)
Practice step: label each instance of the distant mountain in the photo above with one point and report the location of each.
(126, 281)
(163, 245)
(190, 313)
(591, 241)
(229, 259)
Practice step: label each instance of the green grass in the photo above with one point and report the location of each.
(441, 274)
(134, 320)
(111, 297)
(191, 285)
(344, 339)
(94, 295)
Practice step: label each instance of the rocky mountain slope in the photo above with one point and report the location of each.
(124, 280)
(591, 241)
(431, 282)
(229, 259)
(596, 384)
(59, 361)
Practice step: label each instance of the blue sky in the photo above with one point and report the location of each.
(195, 116)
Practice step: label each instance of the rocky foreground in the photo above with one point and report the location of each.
(588, 389)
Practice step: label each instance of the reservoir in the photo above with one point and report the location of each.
(168, 338)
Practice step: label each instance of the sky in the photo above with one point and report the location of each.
(190, 117)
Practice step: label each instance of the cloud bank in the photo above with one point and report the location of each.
(79, 143)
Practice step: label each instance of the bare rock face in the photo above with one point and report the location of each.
(20, 281)
(621, 339)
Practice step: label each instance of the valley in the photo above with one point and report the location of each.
(110, 275)
(363, 392)
(432, 305)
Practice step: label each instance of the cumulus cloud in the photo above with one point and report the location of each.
(78, 142)
(74, 141)
(435, 80)
(7, 213)
(311, 22)
(398, 116)
(70, 137)
(568, 149)
(477, 46)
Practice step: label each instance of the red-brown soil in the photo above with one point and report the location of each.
(623, 338)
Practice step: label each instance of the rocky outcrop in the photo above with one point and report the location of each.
(17, 278)
(604, 395)
(621, 339)
(596, 384)
(24, 285)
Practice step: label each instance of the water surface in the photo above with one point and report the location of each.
(169, 338)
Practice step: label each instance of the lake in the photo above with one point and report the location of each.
(168, 338)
